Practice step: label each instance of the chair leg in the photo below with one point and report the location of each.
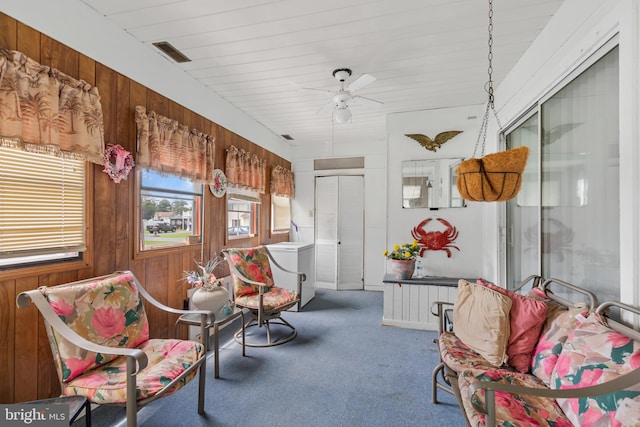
(239, 336)
(132, 402)
(268, 332)
(201, 385)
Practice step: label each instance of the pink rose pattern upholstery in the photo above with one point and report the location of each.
(511, 409)
(553, 336)
(458, 356)
(108, 383)
(253, 263)
(110, 312)
(594, 354)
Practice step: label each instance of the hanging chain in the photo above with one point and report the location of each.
(482, 135)
(490, 55)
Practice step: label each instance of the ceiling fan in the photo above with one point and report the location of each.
(343, 99)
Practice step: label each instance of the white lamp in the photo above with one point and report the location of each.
(342, 115)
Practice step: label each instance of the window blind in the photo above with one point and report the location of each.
(280, 213)
(42, 204)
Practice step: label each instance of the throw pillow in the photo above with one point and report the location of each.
(595, 354)
(526, 319)
(481, 320)
(553, 336)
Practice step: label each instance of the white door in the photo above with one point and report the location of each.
(339, 232)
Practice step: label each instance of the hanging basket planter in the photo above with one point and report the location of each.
(495, 177)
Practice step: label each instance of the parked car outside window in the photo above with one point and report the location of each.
(159, 226)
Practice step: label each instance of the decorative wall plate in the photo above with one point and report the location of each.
(219, 186)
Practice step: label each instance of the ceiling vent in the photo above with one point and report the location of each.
(171, 52)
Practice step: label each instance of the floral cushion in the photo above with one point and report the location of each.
(273, 298)
(554, 334)
(594, 354)
(458, 356)
(168, 359)
(526, 318)
(107, 311)
(511, 409)
(253, 263)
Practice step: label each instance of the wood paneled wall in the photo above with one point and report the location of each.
(26, 366)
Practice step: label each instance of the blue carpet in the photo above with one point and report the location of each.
(343, 369)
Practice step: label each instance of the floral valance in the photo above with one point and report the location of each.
(245, 170)
(46, 111)
(167, 146)
(282, 182)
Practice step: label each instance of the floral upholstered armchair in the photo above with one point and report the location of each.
(99, 336)
(255, 290)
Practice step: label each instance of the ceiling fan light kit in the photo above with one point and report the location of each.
(341, 101)
(342, 115)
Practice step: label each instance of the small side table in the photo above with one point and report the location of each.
(218, 321)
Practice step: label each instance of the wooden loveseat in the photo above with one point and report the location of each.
(539, 359)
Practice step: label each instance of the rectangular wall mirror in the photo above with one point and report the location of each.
(430, 184)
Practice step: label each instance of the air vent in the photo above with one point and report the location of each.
(287, 137)
(171, 52)
(339, 163)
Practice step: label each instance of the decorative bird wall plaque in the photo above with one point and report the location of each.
(435, 143)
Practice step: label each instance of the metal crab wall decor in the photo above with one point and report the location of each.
(435, 240)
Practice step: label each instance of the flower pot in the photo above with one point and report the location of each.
(212, 300)
(403, 269)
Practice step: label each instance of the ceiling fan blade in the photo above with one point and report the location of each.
(360, 82)
(313, 90)
(326, 108)
(361, 100)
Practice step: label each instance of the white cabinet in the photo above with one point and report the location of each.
(295, 256)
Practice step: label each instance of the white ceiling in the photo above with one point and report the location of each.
(259, 54)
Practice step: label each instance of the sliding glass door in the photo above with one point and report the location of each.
(565, 221)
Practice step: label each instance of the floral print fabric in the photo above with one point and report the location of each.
(511, 409)
(252, 263)
(594, 354)
(554, 334)
(273, 298)
(458, 356)
(108, 312)
(168, 359)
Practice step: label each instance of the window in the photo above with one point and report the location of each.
(170, 210)
(42, 208)
(280, 214)
(242, 213)
(565, 221)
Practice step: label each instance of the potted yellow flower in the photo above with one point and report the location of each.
(403, 259)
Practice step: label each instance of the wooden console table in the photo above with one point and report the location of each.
(407, 302)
